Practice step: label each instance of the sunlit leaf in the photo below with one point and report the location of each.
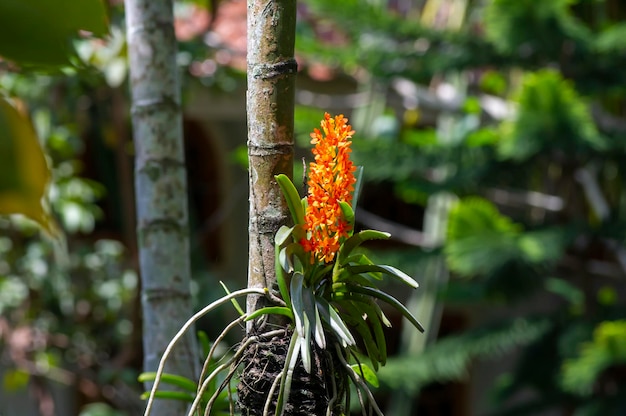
(367, 373)
(356, 240)
(292, 198)
(24, 172)
(40, 31)
(388, 270)
(271, 310)
(173, 379)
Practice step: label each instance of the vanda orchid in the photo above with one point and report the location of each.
(328, 292)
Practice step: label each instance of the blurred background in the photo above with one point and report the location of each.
(493, 139)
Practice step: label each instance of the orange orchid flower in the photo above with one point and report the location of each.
(331, 181)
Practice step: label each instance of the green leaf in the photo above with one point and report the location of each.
(24, 172)
(313, 316)
(282, 235)
(480, 239)
(170, 395)
(379, 294)
(282, 280)
(14, 380)
(39, 32)
(366, 373)
(358, 185)
(329, 314)
(292, 198)
(234, 301)
(285, 381)
(348, 214)
(372, 315)
(286, 256)
(297, 284)
(381, 268)
(356, 240)
(271, 310)
(173, 379)
(353, 317)
(358, 258)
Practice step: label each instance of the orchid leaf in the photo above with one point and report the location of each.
(358, 185)
(292, 198)
(366, 373)
(281, 279)
(169, 395)
(388, 270)
(348, 214)
(287, 374)
(172, 379)
(282, 235)
(385, 297)
(353, 317)
(358, 258)
(330, 315)
(356, 240)
(271, 310)
(286, 256)
(297, 283)
(234, 301)
(305, 343)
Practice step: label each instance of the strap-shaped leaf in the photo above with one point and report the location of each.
(312, 314)
(385, 297)
(371, 315)
(332, 318)
(366, 373)
(348, 214)
(282, 235)
(358, 174)
(173, 379)
(297, 283)
(170, 395)
(234, 301)
(291, 197)
(286, 256)
(356, 240)
(281, 279)
(388, 270)
(358, 258)
(305, 344)
(287, 374)
(353, 317)
(271, 310)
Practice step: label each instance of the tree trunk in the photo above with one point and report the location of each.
(270, 107)
(161, 189)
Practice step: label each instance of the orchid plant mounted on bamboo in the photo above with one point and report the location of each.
(327, 291)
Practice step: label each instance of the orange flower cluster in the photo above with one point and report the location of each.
(331, 180)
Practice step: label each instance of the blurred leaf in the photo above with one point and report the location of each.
(367, 373)
(565, 289)
(173, 379)
(607, 348)
(480, 239)
(551, 115)
(529, 26)
(40, 31)
(24, 172)
(450, 357)
(15, 380)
